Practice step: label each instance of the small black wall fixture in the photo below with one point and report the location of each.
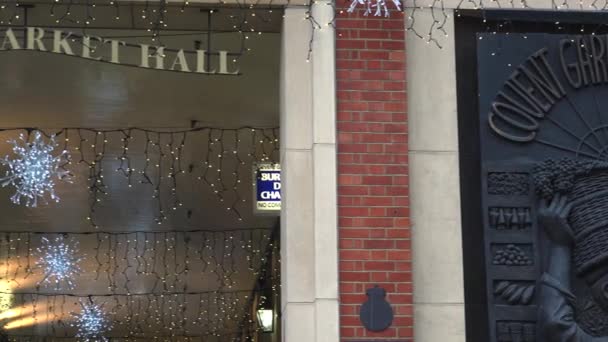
(376, 312)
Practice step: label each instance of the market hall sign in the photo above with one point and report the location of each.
(89, 47)
(535, 87)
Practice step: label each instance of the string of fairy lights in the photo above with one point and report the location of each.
(434, 31)
(120, 262)
(140, 283)
(176, 308)
(152, 265)
(222, 161)
(136, 285)
(156, 317)
(158, 19)
(155, 16)
(144, 283)
(251, 15)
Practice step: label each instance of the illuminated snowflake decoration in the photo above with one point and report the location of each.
(92, 323)
(59, 260)
(34, 169)
(378, 7)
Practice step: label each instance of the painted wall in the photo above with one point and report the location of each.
(373, 201)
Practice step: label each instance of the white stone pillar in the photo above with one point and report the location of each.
(325, 175)
(435, 186)
(309, 230)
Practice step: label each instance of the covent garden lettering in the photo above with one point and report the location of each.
(113, 51)
(534, 87)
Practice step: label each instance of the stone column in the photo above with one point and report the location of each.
(309, 243)
(435, 186)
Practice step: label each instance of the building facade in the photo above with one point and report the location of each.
(359, 139)
(394, 133)
(453, 279)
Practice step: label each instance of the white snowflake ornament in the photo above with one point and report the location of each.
(379, 7)
(33, 170)
(92, 322)
(59, 261)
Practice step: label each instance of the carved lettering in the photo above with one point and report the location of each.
(34, 39)
(159, 56)
(101, 49)
(89, 47)
(515, 119)
(11, 39)
(224, 64)
(61, 44)
(115, 45)
(598, 49)
(534, 88)
(534, 111)
(547, 79)
(529, 91)
(201, 64)
(180, 60)
(571, 70)
(528, 95)
(584, 61)
(545, 100)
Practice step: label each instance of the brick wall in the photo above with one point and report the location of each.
(372, 171)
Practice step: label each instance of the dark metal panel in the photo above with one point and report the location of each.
(487, 159)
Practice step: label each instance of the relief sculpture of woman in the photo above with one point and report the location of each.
(573, 213)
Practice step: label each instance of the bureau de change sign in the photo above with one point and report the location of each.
(267, 186)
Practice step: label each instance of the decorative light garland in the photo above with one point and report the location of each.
(33, 170)
(218, 316)
(59, 261)
(153, 16)
(170, 309)
(224, 164)
(156, 14)
(119, 261)
(165, 257)
(92, 322)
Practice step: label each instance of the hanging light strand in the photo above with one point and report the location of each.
(119, 259)
(224, 166)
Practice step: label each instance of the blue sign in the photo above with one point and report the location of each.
(268, 188)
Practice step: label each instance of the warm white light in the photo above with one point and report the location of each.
(266, 319)
(6, 299)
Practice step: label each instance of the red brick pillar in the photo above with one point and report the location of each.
(373, 203)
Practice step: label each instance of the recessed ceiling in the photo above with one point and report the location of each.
(50, 92)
